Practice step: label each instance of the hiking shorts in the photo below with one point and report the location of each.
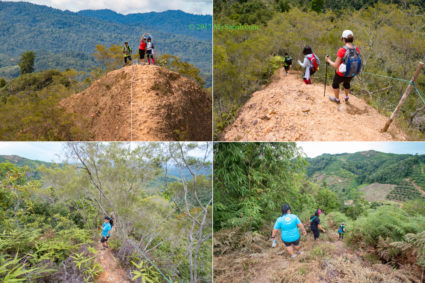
(295, 243)
(142, 53)
(149, 54)
(104, 239)
(338, 80)
(127, 58)
(286, 68)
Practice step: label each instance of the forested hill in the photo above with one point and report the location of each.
(396, 176)
(64, 39)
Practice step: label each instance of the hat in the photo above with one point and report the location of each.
(285, 208)
(346, 33)
(319, 211)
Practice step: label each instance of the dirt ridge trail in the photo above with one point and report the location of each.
(112, 271)
(159, 104)
(289, 110)
(327, 260)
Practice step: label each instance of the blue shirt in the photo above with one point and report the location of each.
(106, 227)
(288, 227)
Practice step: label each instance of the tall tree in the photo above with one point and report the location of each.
(26, 63)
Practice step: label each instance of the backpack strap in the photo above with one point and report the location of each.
(312, 219)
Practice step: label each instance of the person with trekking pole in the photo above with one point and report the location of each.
(311, 64)
(288, 224)
(347, 64)
(315, 224)
(287, 62)
(341, 231)
(106, 231)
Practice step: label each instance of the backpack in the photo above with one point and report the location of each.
(352, 61)
(314, 63)
(288, 60)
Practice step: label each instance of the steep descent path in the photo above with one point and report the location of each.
(324, 261)
(289, 110)
(112, 272)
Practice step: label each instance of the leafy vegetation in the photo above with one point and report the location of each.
(390, 38)
(49, 227)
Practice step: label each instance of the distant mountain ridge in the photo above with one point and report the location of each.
(64, 39)
(350, 172)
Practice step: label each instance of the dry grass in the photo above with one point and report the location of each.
(250, 258)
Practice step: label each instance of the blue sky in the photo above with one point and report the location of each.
(129, 6)
(49, 151)
(313, 149)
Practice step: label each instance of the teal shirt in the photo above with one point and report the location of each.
(106, 227)
(287, 224)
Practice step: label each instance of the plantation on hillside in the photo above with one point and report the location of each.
(50, 227)
(390, 38)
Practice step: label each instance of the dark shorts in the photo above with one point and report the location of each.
(295, 243)
(286, 68)
(142, 53)
(104, 239)
(149, 54)
(338, 80)
(127, 58)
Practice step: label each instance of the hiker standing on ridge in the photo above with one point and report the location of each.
(311, 64)
(347, 64)
(106, 231)
(149, 50)
(288, 225)
(315, 224)
(142, 49)
(287, 62)
(126, 51)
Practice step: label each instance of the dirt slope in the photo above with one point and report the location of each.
(326, 260)
(289, 110)
(112, 272)
(166, 106)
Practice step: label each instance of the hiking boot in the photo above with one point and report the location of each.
(334, 99)
(346, 98)
(299, 252)
(293, 256)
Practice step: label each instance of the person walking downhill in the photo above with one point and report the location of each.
(341, 231)
(288, 225)
(315, 224)
(347, 64)
(106, 231)
(311, 64)
(287, 62)
(126, 51)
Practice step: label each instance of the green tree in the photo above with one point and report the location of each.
(26, 63)
(327, 200)
(317, 5)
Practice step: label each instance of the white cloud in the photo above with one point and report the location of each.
(313, 149)
(129, 6)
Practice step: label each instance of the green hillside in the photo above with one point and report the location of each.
(66, 40)
(349, 173)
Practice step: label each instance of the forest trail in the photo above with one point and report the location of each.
(143, 102)
(326, 260)
(289, 110)
(112, 271)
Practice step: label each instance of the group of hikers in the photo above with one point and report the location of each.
(289, 225)
(347, 65)
(146, 47)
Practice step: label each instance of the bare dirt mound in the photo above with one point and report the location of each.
(112, 272)
(376, 191)
(166, 106)
(326, 260)
(289, 110)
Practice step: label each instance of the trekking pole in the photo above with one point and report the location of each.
(326, 76)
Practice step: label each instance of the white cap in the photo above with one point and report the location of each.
(347, 33)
